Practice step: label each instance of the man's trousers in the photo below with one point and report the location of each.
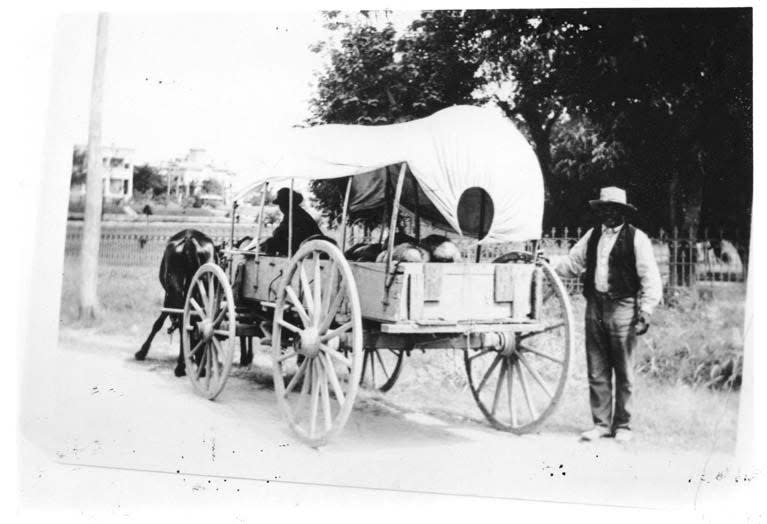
(610, 343)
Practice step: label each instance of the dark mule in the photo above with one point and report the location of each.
(185, 252)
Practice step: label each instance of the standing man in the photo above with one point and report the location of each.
(622, 286)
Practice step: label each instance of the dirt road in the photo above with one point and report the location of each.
(90, 406)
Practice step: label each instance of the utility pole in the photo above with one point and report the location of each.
(89, 252)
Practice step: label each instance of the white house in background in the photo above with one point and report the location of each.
(116, 173)
(117, 168)
(187, 174)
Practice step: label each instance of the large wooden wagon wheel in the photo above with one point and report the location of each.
(209, 330)
(317, 342)
(519, 386)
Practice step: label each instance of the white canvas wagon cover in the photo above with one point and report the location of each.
(453, 150)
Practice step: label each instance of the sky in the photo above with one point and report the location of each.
(225, 83)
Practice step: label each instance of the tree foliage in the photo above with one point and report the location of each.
(211, 186)
(146, 179)
(79, 166)
(375, 76)
(658, 101)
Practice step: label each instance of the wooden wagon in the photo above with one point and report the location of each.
(332, 322)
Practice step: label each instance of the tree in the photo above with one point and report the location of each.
(665, 94)
(675, 89)
(254, 198)
(79, 166)
(146, 179)
(581, 161)
(375, 77)
(357, 87)
(658, 101)
(211, 186)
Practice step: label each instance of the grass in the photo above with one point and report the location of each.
(129, 297)
(673, 407)
(691, 341)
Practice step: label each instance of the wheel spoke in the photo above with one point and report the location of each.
(546, 329)
(383, 367)
(541, 354)
(523, 383)
(325, 395)
(317, 290)
(214, 363)
(365, 358)
(535, 376)
(334, 379)
(304, 394)
(290, 354)
(333, 333)
(203, 294)
(483, 352)
(296, 377)
(220, 317)
(333, 309)
(306, 290)
(332, 278)
(208, 361)
(489, 372)
(197, 308)
(315, 401)
(372, 370)
(510, 380)
(298, 306)
(197, 347)
(201, 363)
(498, 386)
(211, 294)
(219, 351)
(288, 326)
(336, 355)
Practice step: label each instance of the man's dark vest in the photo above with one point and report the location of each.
(622, 277)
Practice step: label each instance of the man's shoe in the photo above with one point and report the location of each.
(623, 435)
(595, 433)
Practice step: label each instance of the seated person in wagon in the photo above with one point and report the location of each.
(304, 225)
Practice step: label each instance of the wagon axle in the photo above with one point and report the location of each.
(503, 342)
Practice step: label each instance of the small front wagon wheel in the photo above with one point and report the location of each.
(208, 336)
(317, 342)
(518, 387)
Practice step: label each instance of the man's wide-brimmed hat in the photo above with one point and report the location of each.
(612, 196)
(283, 197)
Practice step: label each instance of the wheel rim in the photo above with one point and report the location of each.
(209, 334)
(317, 342)
(381, 368)
(519, 388)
